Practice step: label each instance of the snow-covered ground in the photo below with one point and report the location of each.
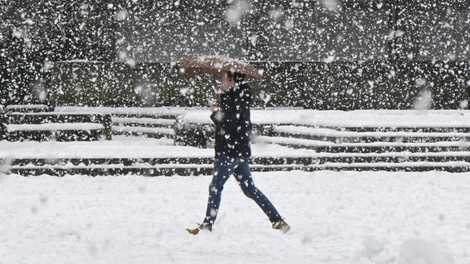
(336, 217)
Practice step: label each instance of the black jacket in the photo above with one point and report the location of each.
(233, 124)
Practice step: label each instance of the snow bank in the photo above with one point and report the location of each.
(426, 250)
(415, 249)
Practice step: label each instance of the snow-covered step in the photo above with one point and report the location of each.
(379, 135)
(27, 108)
(449, 161)
(207, 169)
(154, 132)
(89, 171)
(361, 146)
(54, 127)
(149, 122)
(302, 158)
(388, 135)
(64, 126)
(136, 121)
(55, 132)
(143, 126)
(152, 112)
(55, 117)
(342, 126)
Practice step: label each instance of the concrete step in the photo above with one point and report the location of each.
(365, 147)
(448, 161)
(378, 135)
(149, 132)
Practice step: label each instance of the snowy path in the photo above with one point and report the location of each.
(132, 219)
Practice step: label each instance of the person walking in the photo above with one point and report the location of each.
(233, 150)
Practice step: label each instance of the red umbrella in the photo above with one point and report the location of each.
(217, 65)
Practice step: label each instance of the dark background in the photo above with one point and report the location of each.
(341, 55)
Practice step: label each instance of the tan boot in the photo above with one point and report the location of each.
(199, 228)
(281, 225)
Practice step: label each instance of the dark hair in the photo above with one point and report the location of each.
(236, 76)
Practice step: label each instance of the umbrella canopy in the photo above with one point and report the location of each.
(217, 65)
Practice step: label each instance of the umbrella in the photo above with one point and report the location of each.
(217, 65)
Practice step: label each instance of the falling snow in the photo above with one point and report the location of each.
(319, 55)
(312, 51)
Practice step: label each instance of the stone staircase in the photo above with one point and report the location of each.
(40, 123)
(144, 126)
(327, 141)
(377, 148)
(138, 122)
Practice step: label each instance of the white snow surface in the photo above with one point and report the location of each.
(335, 217)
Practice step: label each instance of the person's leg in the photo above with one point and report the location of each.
(223, 168)
(245, 179)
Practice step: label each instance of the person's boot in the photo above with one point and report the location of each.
(281, 225)
(195, 231)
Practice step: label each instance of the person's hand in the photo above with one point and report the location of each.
(214, 107)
